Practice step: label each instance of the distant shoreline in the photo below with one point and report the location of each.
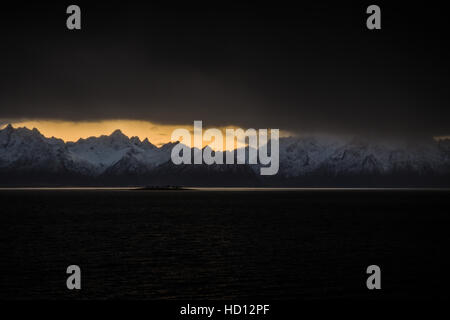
(156, 188)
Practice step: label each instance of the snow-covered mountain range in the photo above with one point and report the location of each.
(29, 158)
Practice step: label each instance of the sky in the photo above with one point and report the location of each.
(302, 68)
(75, 130)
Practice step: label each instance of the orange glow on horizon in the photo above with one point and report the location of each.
(157, 134)
(73, 131)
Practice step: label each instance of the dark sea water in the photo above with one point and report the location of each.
(216, 244)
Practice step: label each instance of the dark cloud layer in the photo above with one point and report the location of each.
(298, 68)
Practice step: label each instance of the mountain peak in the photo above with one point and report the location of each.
(23, 131)
(147, 143)
(118, 133)
(8, 128)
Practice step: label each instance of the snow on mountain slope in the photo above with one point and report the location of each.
(23, 150)
(28, 150)
(106, 151)
(304, 155)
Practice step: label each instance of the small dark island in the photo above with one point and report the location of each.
(160, 188)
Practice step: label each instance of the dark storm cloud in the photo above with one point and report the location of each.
(305, 68)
